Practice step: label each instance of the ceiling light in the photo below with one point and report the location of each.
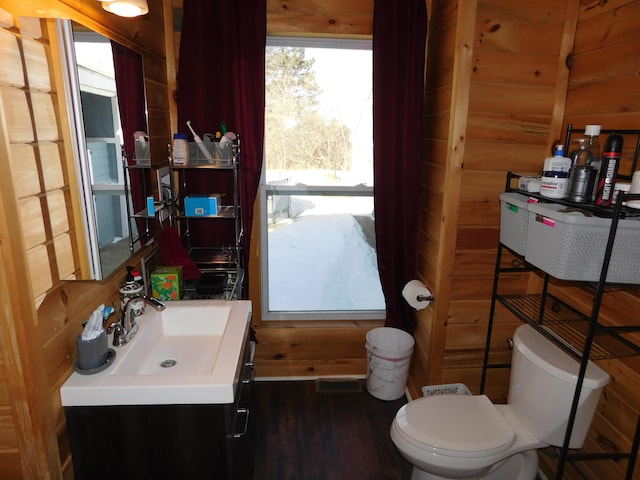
(126, 8)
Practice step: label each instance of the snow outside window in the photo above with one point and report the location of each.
(317, 224)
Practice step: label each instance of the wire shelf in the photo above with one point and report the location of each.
(569, 328)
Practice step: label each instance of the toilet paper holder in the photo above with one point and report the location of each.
(417, 294)
(424, 298)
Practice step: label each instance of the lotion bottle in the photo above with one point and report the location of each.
(555, 174)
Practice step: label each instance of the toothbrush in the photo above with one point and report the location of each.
(199, 142)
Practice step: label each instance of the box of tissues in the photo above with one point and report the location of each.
(166, 282)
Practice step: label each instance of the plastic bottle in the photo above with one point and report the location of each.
(608, 170)
(180, 150)
(579, 155)
(582, 177)
(555, 174)
(592, 138)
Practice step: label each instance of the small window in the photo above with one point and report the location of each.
(317, 223)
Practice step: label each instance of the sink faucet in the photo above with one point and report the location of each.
(125, 329)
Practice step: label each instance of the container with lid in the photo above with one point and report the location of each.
(555, 174)
(592, 139)
(180, 152)
(582, 179)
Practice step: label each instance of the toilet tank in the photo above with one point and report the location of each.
(542, 385)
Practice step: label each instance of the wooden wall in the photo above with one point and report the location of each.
(498, 94)
(494, 97)
(603, 88)
(503, 80)
(42, 245)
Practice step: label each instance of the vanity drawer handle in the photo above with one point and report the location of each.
(245, 412)
(252, 377)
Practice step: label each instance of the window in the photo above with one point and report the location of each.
(317, 224)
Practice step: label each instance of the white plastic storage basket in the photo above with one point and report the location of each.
(445, 389)
(218, 155)
(514, 218)
(571, 246)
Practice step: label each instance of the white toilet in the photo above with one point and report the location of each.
(468, 437)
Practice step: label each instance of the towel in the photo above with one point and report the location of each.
(174, 253)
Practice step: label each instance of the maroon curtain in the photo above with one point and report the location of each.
(221, 79)
(129, 76)
(399, 36)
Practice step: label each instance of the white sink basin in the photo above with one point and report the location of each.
(184, 341)
(189, 353)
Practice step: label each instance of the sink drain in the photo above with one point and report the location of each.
(170, 362)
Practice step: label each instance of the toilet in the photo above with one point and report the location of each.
(468, 437)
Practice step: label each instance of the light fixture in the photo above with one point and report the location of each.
(126, 8)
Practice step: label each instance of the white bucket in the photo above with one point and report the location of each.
(389, 353)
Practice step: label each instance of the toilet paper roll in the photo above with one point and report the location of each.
(417, 295)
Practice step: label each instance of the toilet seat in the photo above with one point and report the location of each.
(455, 426)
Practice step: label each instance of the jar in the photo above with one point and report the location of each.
(581, 183)
(553, 184)
(129, 291)
(180, 150)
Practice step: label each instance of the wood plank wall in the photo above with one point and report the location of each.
(503, 81)
(40, 230)
(41, 240)
(495, 100)
(493, 82)
(603, 89)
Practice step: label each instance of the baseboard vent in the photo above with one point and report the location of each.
(338, 385)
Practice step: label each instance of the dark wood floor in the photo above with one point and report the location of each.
(303, 435)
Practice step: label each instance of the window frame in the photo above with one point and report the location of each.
(265, 190)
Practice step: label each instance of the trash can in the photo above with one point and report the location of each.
(389, 353)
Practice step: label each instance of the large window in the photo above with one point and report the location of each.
(317, 224)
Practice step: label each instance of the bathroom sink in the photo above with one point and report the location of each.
(184, 341)
(189, 353)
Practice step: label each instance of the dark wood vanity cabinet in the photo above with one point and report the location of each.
(156, 442)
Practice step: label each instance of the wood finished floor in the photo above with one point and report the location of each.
(303, 435)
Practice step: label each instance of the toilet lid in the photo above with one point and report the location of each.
(461, 425)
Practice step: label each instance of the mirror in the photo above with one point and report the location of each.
(112, 193)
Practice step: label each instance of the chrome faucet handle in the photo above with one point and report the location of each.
(119, 334)
(124, 330)
(155, 303)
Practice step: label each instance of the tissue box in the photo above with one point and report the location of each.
(166, 283)
(202, 205)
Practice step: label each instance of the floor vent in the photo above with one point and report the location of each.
(338, 385)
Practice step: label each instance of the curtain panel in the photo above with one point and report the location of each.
(129, 77)
(399, 36)
(221, 79)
